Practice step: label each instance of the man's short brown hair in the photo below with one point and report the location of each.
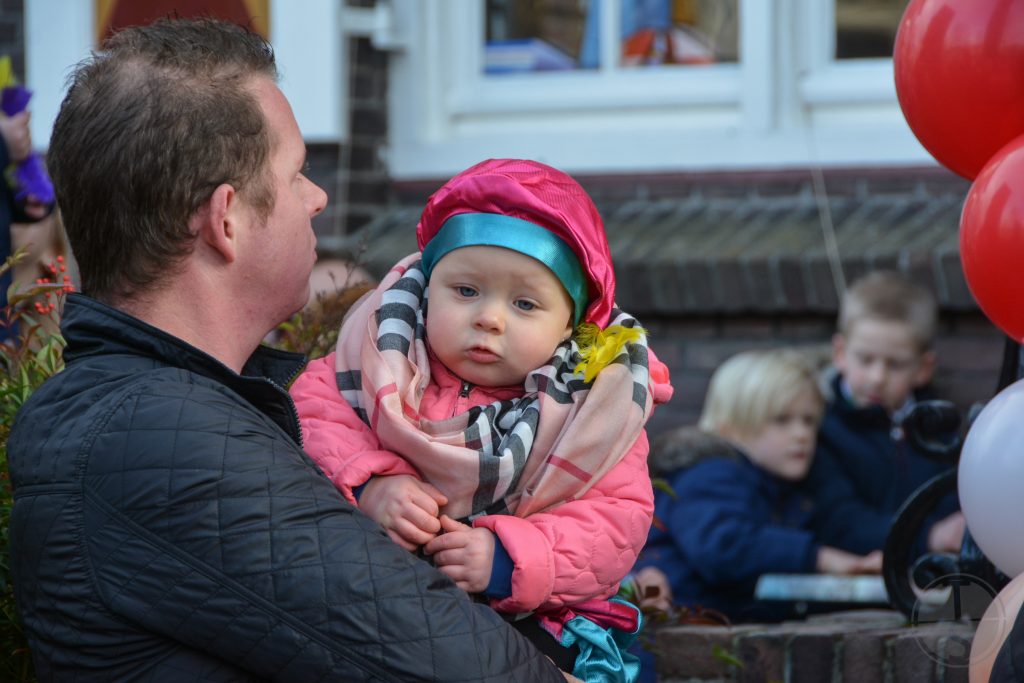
(890, 297)
(152, 124)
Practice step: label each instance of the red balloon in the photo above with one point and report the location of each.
(960, 77)
(992, 239)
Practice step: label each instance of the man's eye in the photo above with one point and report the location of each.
(525, 305)
(463, 290)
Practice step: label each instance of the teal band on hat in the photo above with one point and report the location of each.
(498, 230)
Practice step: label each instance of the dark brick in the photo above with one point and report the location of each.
(748, 327)
(368, 191)
(708, 355)
(696, 278)
(912, 658)
(367, 123)
(789, 275)
(763, 654)
(956, 650)
(689, 651)
(950, 269)
(969, 353)
(800, 329)
(367, 86)
(366, 157)
(759, 286)
(728, 275)
(863, 656)
(812, 657)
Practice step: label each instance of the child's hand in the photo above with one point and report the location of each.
(406, 507)
(835, 561)
(655, 593)
(464, 554)
(947, 534)
(17, 138)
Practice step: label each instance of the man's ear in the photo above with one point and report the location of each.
(216, 222)
(925, 369)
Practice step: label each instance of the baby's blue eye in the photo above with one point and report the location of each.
(525, 305)
(463, 290)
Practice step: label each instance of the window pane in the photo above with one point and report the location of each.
(534, 35)
(867, 28)
(555, 35)
(680, 32)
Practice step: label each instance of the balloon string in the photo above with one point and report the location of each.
(828, 230)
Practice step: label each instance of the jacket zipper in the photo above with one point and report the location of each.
(463, 394)
(291, 404)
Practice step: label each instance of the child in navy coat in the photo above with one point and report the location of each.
(865, 469)
(737, 512)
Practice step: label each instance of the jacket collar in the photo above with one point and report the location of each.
(92, 328)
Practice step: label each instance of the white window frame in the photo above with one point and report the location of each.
(307, 41)
(787, 103)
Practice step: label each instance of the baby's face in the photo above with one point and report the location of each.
(495, 314)
(881, 362)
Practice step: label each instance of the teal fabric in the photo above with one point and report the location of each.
(603, 656)
(498, 230)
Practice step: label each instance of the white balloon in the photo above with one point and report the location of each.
(991, 480)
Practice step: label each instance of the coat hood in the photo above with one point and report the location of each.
(538, 194)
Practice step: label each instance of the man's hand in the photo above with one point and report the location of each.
(947, 534)
(406, 507)
(835, 561)
(14, 130)
(463, 553)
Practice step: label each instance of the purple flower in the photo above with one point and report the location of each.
(27, 177)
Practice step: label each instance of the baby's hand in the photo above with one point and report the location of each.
(464, 554)
(406, 507)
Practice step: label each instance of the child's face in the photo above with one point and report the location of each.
(784, 446)
(881, 362)
(495, 314)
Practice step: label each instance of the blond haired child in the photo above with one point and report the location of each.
(491, 379)
(864, 470)
(737, 512)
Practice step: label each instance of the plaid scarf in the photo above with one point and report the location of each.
(516, 456)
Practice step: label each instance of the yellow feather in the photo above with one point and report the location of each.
(600, 347)
(6, 72)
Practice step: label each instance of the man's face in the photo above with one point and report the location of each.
(282, 246)
(881, 362)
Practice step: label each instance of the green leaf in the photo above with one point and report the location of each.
(723, 655)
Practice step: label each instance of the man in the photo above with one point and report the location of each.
(167, 525)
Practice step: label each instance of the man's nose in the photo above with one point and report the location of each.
(316, 200)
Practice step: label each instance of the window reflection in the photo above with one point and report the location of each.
(867, 28)
(556, 35)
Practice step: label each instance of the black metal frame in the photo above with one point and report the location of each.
(934, 570)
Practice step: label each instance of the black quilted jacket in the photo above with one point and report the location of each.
(168, 527)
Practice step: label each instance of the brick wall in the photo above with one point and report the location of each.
(354, 175)
(852, 647)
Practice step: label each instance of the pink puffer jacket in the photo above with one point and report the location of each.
(577, 551)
